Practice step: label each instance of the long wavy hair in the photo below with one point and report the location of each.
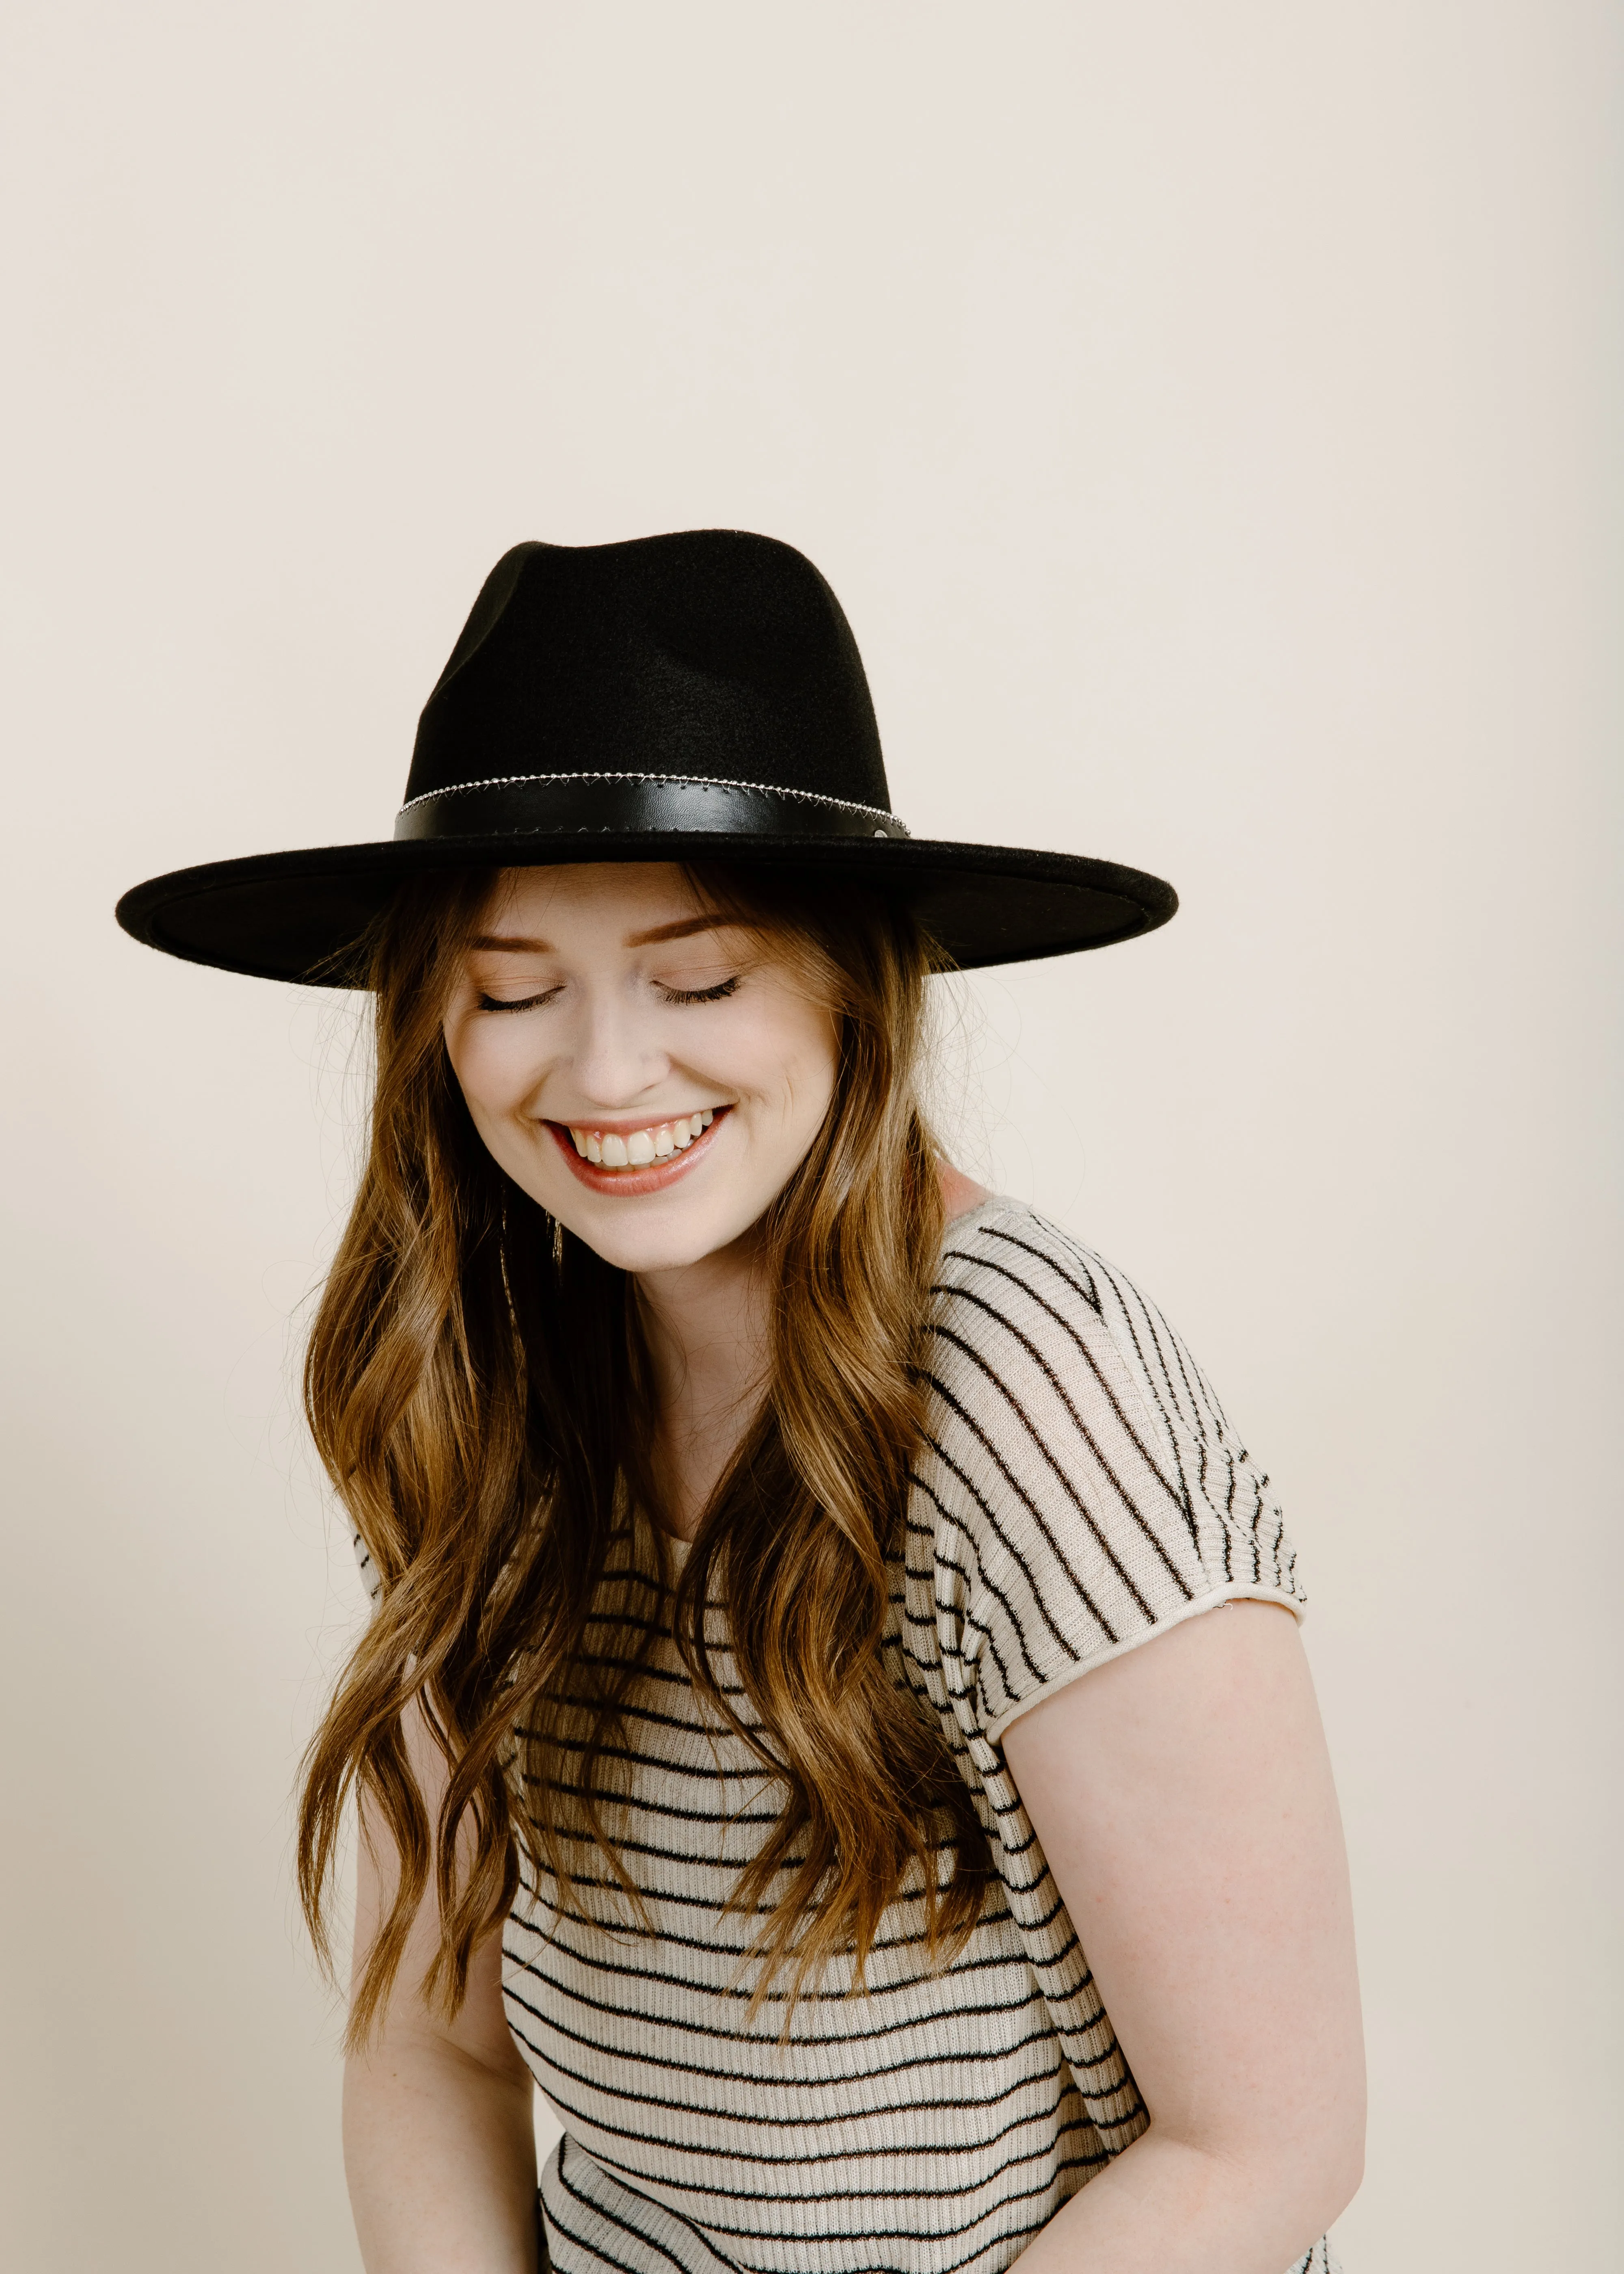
(479, 1388)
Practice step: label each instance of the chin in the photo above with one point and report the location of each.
(650, 1246)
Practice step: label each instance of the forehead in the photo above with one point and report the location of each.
(595, 897)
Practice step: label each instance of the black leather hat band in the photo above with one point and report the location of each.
(554, 805)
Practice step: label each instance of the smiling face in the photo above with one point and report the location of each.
(649, 1072)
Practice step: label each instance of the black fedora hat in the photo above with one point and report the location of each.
(688, 697)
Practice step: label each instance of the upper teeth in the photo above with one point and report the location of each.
(611, 1150)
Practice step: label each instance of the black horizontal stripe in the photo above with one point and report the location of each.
(971, 1961)
(942, 2019)
(644, 1805)
(760, 1910)
(867, 2111)
(923, 2021)
(634, 1710)
(676, 1677)
(916, 2191)
(661, 2140)
(681, 1856)
(849, 2150)
(870, 2234)
(709, 1775)
(995, 2250)
(642, 1802)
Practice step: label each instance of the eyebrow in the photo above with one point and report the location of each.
(683, 929)
(495, 943)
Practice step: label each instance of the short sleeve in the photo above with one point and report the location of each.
(1079, 1489)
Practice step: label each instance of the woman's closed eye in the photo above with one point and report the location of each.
(516, 1002)
(716, 994)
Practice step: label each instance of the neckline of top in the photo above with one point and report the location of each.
(994, 1204)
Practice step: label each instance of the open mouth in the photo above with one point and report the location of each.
(637, 1160)
(615, 1148)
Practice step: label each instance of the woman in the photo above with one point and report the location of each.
(788, 1559)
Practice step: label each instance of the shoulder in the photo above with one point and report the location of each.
(1022, 1302)
(1081, 1484)
(1041, 1397)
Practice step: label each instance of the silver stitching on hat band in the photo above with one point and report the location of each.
(698, 781)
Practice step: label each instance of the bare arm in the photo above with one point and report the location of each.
(1183, 1800)
(439, 2146)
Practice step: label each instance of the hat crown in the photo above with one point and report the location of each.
(713, 655)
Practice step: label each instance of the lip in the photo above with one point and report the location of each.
(633, 1183)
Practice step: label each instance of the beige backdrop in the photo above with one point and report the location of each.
(1205, 413)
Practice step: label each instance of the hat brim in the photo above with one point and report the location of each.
(293, 916)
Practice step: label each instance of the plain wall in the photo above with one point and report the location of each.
(1207, 416)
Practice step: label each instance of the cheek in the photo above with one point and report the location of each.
(808, 1060)
(493, 1068)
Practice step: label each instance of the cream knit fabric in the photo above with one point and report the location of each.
(1079, 1491)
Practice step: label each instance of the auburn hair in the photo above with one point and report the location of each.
(480, 1392)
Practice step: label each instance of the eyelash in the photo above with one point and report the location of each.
(701, 994)
(673, 994)
(525, 1002)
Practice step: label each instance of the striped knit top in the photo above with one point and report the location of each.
(1078, 1491)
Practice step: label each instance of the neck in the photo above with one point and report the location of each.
(707, 1325)
(708, 1328)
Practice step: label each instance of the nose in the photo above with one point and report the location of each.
(614, 1058)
